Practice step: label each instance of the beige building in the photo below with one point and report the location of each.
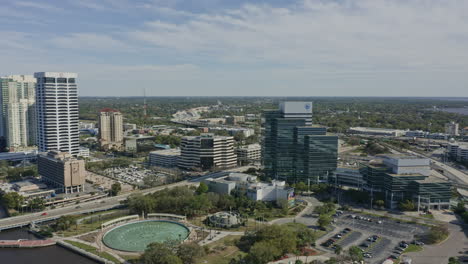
(110, 129)
(62, 170)
(249, 154)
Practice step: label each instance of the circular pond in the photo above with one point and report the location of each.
(135, 237)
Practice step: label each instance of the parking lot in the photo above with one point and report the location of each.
(378, 237)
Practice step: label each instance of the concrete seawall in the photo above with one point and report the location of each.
(20, 243)
(84, 253)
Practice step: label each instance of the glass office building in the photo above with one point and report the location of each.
(294, 150)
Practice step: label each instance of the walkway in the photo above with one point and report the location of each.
(305, 216)
(218, 235)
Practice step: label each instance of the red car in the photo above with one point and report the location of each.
(44, 213)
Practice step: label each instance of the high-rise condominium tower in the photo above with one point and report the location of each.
(18, 117)
(57, 112)
(110, 129)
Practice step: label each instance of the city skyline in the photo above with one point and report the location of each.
(256, 48)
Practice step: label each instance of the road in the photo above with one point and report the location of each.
(455, 245)
(453, 174)
(102, 204)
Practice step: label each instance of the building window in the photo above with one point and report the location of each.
(49, 80)
(61, 80)
(71, 80)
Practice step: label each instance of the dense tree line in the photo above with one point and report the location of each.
(172, 252)
(16, 173)
(193, 202)
(274, 241)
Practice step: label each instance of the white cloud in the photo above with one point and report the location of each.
(90, 41)
(36, 5)
(334, 44)
(349, 34)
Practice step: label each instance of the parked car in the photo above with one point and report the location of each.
(44, 213)
(418, 243)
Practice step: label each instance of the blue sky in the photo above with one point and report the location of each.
(239, 47)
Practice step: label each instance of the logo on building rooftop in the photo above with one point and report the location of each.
(307, 106)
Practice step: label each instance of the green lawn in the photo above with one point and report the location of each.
(93, 250)
(413, 248)
(222, 251)
(86, 227)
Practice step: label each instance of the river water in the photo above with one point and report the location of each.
(45, 255)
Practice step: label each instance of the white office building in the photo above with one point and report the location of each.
(452, 129)
(417, 134)
(164, 158)
(57, 112)
(407, 164)
(270, 192)
(18, 117)
(462, 153)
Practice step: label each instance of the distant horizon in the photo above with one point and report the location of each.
(273, 96)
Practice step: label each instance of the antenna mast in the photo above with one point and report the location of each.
(145, 106)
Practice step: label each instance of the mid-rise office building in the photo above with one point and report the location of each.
(62, 171)
(164, 158)
(18, 118)
(452, 129)
(233, 120)
(207, 152)
(400, 178)
(416, 134)
(292, 149)
(110, 129)
(458, 151)
(57, 112)
(249, 154)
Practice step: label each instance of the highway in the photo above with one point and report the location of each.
(459, 178)
(100, 205)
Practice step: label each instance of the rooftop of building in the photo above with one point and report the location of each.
(375, 129)
(312, 126)
(432, 180)
(251, 146)
(106, 110)
(58, 156)
(208, 135)
(406, 175)
(167, 152)
(400, 156)
(56, 74)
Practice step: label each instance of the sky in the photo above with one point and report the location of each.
(242, 48)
